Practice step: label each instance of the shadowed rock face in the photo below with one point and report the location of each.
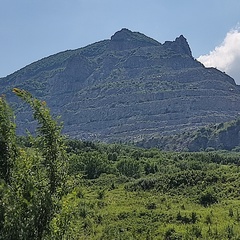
(126, 88)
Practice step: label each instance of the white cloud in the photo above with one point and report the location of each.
(226, 57)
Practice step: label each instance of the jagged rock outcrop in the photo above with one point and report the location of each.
(180, 45)
(126, 88)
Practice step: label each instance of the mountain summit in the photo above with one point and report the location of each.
(126, 39)
(126, 88)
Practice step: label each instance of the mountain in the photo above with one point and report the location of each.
(126, 88)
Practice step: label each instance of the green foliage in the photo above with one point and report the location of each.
(49, 141)
(90, 164)
(171, 234)
(129, 167)
(150, 168)
(151, 206)
(112, 156)
(187, 219)
(27, 201)
(8, 149)
(38, 175)
(207, 198)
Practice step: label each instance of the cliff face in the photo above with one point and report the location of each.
(126, 88)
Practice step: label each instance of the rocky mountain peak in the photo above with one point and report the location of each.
(181, 41)
(122, 35)
(126, 39)
(180, 45)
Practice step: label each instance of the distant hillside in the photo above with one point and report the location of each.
(223, 136)
(126, 88)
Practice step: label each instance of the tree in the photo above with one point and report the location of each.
(32, 181)
(207, 198)
(49, 141)
(129, 167)
(7, 140)
(91, 164)
(38, 178)
(27, 201)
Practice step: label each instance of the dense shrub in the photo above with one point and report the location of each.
(129, 167)
(207, 198)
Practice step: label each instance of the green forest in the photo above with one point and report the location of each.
(53, 187)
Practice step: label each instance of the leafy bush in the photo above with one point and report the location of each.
(151, 206)
(207, 199)
(129, 167)
(171, 234)
(94, 165)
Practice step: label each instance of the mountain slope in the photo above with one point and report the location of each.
(126, 88)
(222, 136)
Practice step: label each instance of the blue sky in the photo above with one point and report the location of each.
(33, 29)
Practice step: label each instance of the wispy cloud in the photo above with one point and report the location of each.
(226, 57)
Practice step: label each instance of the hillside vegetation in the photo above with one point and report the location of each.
(52, 187)
(222, 136)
